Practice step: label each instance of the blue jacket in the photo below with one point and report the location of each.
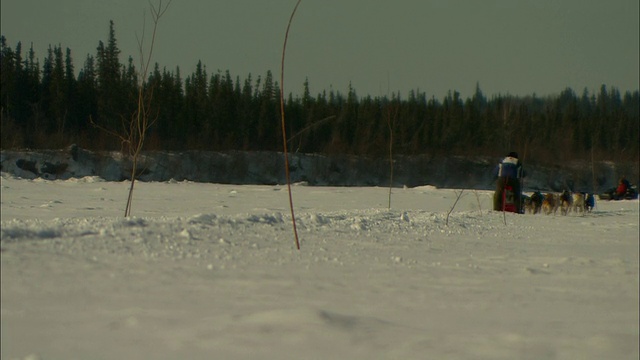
(510, 167)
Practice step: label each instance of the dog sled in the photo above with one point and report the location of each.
(630, 194)
(509, 200)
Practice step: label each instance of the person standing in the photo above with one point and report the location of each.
(509, 174)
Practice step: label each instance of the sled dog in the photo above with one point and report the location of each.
(589, 202)
(536, 201)
(566, 202)
(578, 202)
(549, 204)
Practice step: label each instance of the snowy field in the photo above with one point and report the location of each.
(207, 271)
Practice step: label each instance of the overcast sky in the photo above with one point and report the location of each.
(517, 47)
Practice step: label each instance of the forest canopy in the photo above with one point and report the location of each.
(48, 106)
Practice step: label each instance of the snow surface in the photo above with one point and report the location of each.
(209, 271)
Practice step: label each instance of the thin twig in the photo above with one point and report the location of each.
(459, 195)
(593, 174)
(478, 199)
(504, 199)
(310, 126)
(139, 123)
(390, 160)
(390, 124)
(284, 132)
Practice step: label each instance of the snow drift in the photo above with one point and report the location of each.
(211, 271)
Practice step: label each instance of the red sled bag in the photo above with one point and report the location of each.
(509, 200)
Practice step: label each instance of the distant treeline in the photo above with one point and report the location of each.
(49, 107)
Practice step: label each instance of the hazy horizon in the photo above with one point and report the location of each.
(507, 47)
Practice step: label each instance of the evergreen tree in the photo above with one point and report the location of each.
(111, 93)
(196, 112)
(87, 101)
(268, 116)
